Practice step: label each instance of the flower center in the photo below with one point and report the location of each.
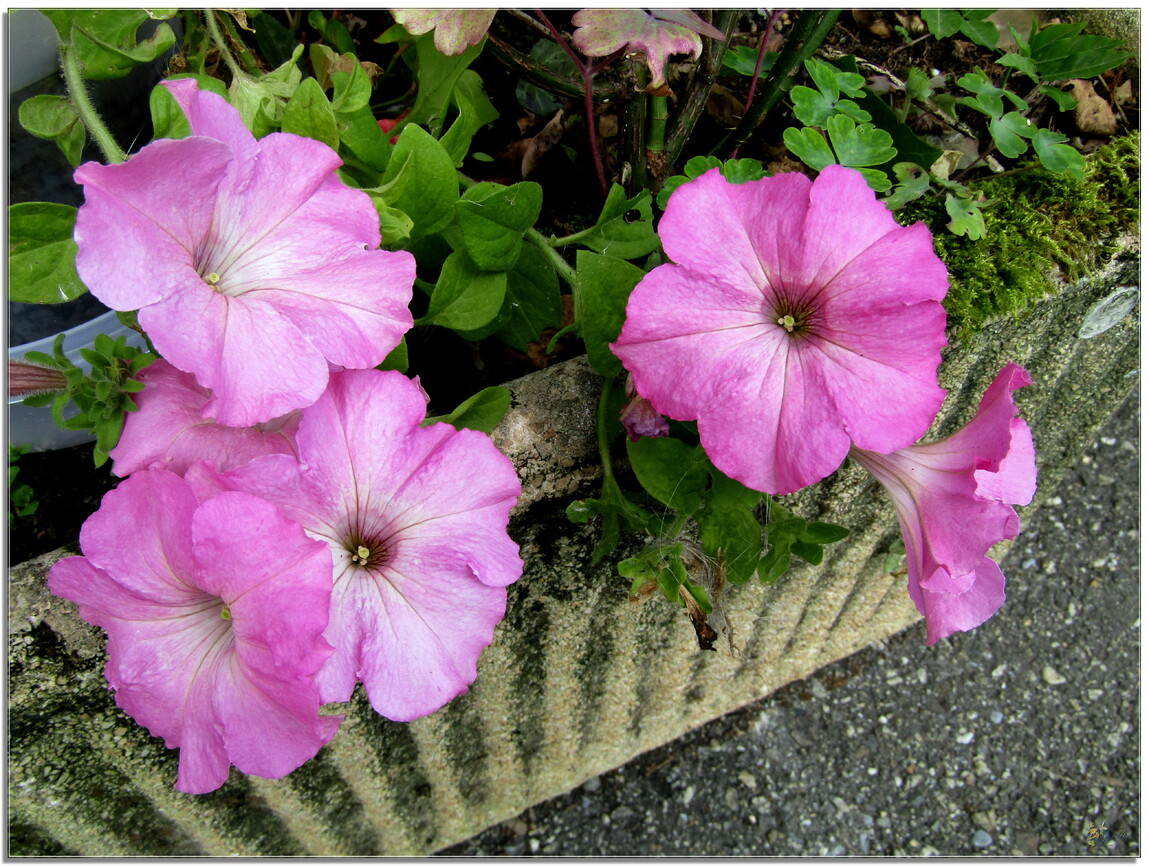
(225, 612)
(794, 318)
(367, 554)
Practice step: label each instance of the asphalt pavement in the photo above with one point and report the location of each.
(1020, 738)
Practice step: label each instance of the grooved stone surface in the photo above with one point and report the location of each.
(577, 680)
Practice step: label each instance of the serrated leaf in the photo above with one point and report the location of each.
(965, 217)
(1056, 156)
(739, 171)
(809, 145)
(913, 181)
(492, 219)
(465, 297)
(1007, 131)
(42, 253)
(605, 284)
(859, 145)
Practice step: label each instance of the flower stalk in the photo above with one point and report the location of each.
(82, 102)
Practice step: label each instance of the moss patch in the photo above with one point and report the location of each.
(1040, 227)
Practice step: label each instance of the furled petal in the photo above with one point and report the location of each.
(168, 431)
(798, 318)
(214, 613)
(953, 500)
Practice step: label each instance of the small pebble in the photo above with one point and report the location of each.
(1051, 676)
(996, 717)
(965, 738)
(982, 839)
(748, 780)
(998, 671)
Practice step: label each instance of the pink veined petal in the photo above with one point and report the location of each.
(154, 510)
(949, 613)
(416, 628)
(168, 431)
(256, 363)
(1015, 480)
(136, 234)
(210, 115)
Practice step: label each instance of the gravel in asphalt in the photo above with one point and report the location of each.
(1019, 738)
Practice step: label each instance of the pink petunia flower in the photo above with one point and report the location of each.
(798, 318)
(252, 265)
(656, 33)
(954, 500)
(169, 431)
(456, 30)
(416, 521)
(214, 612)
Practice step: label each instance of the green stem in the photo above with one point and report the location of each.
(811, 30)
(656, 129)
(251, 65)
(603, 422)
(698, 90)
(557, 262)
(78, 94)
(224, 51)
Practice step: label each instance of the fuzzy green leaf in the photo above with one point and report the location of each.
(420, 181)
(309, 113)
(728, 529)
(670, 471)
(482, 411)
(475, 112)
(625, 228)
(492, 219)
(42, 253)
(54, 118)
(105, 39)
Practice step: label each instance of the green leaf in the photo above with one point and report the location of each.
(965, 217)
(42, 254)
(741, 60)
(1007, 132)
(823, 533)
(775, 563)
(437, 75)
(918, 85)
(482, 411)
(54, 118)
(420, 180)
(739, 171)
(1022, 64)
(913, 181)
(812, 553)
(980, 31)
(583, 510)
(105, 40)
(492, 219)
(396, 359)
(987, 95)
(1061, 53)
(550, 55)
(394, 225)
(533, 302)
(261, 101)
(625, 228)
(275, 42)
(812, 107)
(333, 32)
(809, 145)
(475, 112)
(943, 23)
(859, 145)
(465, 297)
(309, 113)
(670, 471)
(1056, 156)
(351, 86)
(728, 529)
(698, 593)
(604, 286)
(1065, 100)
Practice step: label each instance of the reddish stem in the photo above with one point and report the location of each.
(758, 66)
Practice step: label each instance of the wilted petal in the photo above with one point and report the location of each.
(455, 29)
(656, 34)
(953, 500)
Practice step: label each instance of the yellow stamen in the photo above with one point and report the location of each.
(788, 323)
(225, 613)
